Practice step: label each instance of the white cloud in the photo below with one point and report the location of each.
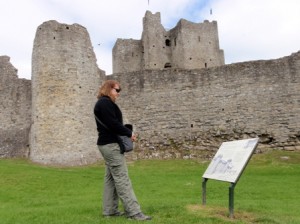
(257, 29)
(248, 29)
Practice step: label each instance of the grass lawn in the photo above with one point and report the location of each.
(170, 191)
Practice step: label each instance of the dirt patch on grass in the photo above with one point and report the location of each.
(222, 213)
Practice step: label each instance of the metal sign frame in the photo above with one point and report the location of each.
(228, 165)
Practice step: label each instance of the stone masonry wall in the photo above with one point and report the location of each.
(195, 45)
(188, 113)
(65, 82)
(187, 46)
(178, 113)
(15, 111)
(131, 57)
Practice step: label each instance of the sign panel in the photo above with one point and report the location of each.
(230, 160)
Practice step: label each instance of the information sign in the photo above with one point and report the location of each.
(230, 160)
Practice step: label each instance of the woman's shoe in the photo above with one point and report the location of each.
(140, 216)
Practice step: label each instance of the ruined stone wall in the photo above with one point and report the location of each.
(156, 52)
(15, 111)
(187, 113)
(187, 46)
(65, 81)
(176, 112)
(196, 45)
(127, 55)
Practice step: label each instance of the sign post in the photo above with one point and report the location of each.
(228, 165)
(204, 191)
(231, 199)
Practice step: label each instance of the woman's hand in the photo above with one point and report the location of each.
(134, 137)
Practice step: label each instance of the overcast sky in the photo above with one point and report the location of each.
(248, 29)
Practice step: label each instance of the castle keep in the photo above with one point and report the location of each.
(187, 46)
(183, 105)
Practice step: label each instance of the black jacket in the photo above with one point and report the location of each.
(110, 114)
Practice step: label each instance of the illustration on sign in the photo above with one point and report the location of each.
(230, 160)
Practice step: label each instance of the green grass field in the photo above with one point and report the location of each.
(170, 191)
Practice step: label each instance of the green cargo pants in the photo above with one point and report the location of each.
(117, 183)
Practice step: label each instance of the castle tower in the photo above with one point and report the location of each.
(187, 46)
(195, 45)
(65, 81)
(155, 42)
(131, 57)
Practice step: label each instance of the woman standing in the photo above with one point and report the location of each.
(117, 183)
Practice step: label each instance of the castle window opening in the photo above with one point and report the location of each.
(168, 65)
(191, 58)
(174, 41)
(205, 65)
(67, 27)
(199, 38)
(168, 42)
(53, 38)
(192, 125)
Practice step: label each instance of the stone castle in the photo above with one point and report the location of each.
(182, 100)
(188, 45)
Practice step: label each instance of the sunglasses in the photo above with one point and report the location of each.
(117, 90)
